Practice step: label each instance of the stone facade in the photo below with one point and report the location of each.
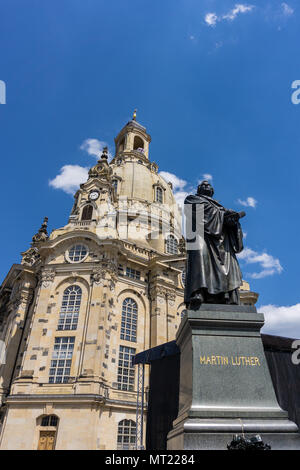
(85, 299)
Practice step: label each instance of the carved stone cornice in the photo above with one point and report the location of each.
(98, 276)
(46, 277)
(30, 256)
(107, 271)
(171, 296)
(161, 292)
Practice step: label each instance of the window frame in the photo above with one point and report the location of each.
(174, 244)
(73, 247)
(133, 273)
(139, 140)
(129, 320)
(124, 424)
(159, 189)
(64, 362)
(52, 421)
(85, 207)
(66, 313)
(126, 372)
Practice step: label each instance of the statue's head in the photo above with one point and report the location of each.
(205, 188)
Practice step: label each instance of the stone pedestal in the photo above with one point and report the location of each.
(225, 384)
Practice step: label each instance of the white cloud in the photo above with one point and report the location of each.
(238, 8)
(281, 320)
(180, 197)
(268, 264)
(178, 186)
(287, 10)
(249, 202)
(207, 177)
(94, 147)
(177, 183)
(211, 18)
(69, 178)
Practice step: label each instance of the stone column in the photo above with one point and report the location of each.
(158, 315)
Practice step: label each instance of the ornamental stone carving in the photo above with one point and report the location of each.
(102, 169)
(98, 277)
(182, 246)
(171, 296)
(30, 256)
(21, 299)
(161, 293)
(42, 234)
(47, 277)
(104, 273)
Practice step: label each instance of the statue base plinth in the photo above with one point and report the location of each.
(225, 384)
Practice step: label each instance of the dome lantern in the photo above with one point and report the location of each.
(133, 139)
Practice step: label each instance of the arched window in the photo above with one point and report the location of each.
(159, 194)
(129, 320)
(171, 245)
(138, 143)
(69, 312)
(126, 435)
(87, 212)
(49, 420)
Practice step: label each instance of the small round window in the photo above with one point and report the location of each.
(77, 253)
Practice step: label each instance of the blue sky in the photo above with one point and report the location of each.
(212, 84)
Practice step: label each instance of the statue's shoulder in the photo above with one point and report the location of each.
(194, 199)
(214, 202)
(205, 200)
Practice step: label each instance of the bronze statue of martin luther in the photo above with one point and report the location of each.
(213, 274)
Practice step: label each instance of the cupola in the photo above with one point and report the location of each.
(133, 139)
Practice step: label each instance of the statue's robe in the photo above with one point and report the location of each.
(212, 265)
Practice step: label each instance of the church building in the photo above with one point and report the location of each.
(88, 297)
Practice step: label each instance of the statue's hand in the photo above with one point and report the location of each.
(229, 213)
(231, 218)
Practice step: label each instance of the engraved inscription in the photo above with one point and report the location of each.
(230, 360)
